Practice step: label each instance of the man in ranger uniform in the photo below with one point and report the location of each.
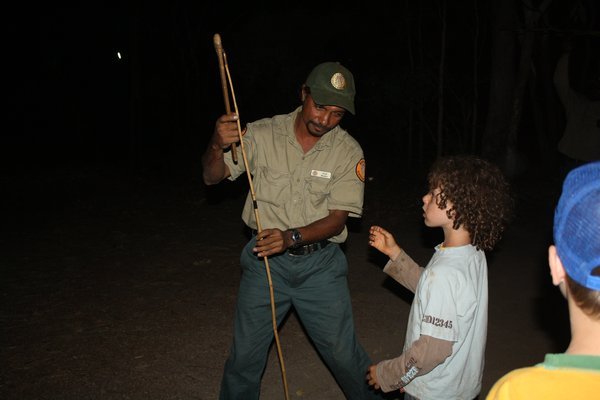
(308, 177)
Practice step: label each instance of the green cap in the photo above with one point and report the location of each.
(331, 84)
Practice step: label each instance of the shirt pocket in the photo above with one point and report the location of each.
(318, 190)
(271, 186)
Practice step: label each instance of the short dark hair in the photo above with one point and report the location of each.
(588, 300)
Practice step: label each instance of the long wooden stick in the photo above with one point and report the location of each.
(259, 228)
(221, 56)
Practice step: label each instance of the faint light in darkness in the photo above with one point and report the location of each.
(119, 55)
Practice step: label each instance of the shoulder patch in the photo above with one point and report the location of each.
(360, 169)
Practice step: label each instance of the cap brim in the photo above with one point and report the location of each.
(327, 98)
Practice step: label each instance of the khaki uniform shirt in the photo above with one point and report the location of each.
(294, 189)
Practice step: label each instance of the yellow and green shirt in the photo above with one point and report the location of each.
(560, 376)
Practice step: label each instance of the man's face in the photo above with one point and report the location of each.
(320, 119)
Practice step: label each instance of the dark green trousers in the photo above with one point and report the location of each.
(316, 286)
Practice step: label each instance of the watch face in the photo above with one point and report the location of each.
(296, 236)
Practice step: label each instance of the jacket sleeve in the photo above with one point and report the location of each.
(420, 358)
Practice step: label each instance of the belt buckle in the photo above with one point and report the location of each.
(299, 251)
(306, 249)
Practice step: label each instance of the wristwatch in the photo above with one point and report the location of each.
(296, 238)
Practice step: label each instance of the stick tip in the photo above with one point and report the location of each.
(217, 41)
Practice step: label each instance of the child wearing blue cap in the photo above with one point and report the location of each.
(575, 268)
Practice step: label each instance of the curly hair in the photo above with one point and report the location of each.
(480, 195)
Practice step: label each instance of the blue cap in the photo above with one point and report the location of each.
(577, 224)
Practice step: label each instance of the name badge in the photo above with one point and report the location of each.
(320, 174)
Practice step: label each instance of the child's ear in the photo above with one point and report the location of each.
(557, 270)
(451, 212)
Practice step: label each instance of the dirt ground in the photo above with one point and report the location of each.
(123, 287)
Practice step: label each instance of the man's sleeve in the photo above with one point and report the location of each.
(347, 192)
(420, 358)
(249, 148)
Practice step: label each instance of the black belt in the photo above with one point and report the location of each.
(307, 248)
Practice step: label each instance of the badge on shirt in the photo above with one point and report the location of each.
(320, 174)
(360, 169)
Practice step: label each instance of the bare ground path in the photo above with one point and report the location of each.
(117, 287)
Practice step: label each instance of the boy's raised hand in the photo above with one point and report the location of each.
(383, 241)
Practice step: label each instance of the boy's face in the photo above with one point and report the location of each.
(432, 213)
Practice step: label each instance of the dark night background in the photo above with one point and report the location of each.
(73, 103)
(108, 228)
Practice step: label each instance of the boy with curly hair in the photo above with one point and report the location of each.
(574, 261)
(443, 353)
